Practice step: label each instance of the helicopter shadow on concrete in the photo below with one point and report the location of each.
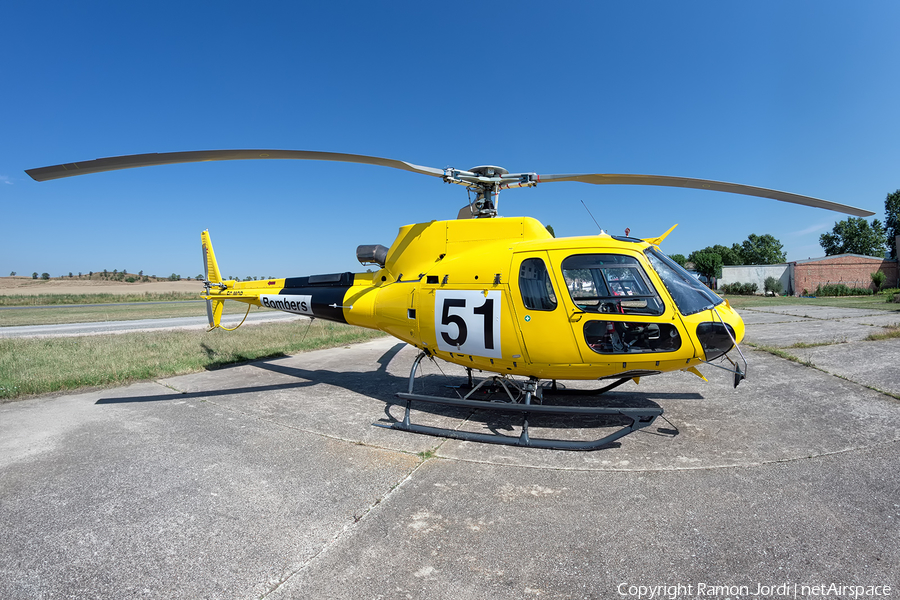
(492, 418)
(382, 385)
(359, 382)
(374, 384)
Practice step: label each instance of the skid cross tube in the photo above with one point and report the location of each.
(640, 417)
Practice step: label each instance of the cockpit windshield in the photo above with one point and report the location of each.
(689, 294)
(610, 283)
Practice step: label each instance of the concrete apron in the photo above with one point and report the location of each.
(268, 480)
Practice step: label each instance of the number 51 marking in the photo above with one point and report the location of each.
(468, 322)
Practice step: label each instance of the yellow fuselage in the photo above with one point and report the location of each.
(455, 290)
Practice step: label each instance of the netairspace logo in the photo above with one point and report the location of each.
(757, 590)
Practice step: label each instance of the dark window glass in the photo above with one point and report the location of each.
(621, 337)
(535, 285)
(689, 294)
(610, 283)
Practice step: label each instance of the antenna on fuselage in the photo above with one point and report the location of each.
(592, 216)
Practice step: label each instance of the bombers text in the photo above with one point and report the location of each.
(301, 305)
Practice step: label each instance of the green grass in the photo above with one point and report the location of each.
(875, 302)
(67, 299)
(781, 354)
(42, 365)
(890, 332)
(119, 312)
(816, 344)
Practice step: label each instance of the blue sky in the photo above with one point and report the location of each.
(796, 96)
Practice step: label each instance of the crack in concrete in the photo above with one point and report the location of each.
(349, 527)
(773, 461)
(811, 318)
(171, 387)
(780, 353)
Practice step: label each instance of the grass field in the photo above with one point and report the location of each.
(42, 365)
(876, 302)
(94, 298)
(76, 313)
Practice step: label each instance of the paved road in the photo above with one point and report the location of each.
(75, 329)
(268, 480)
(103, 304)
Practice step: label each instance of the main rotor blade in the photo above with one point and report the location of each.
(169, 158)
(706, 184)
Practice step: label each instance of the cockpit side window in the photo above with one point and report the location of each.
(610, 283)
(535, 285)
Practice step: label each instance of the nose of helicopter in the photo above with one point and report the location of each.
(723, 329)
(730, 316)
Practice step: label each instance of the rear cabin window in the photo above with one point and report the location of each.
(535, 285)
(610, 283)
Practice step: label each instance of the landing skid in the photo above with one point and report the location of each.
(520, 402)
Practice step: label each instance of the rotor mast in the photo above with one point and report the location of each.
(486, 181)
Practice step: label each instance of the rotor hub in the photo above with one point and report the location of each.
(489, 171)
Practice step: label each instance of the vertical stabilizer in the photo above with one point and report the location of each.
(213, 276)
(210, 266)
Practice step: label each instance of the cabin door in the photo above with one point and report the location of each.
(540, 314)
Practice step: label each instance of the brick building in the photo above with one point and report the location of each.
(853, 270)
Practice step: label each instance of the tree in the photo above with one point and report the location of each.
(892, 220)
(772, 285)
(730, 256)
(679, 258)
(13, 274)
(45, 276)
(707, 263)
(34, 275)
(762, 250)
(550, 229)
(855, 235)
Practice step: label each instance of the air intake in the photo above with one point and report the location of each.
(372, 254)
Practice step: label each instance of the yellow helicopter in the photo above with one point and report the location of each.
(501, 295)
